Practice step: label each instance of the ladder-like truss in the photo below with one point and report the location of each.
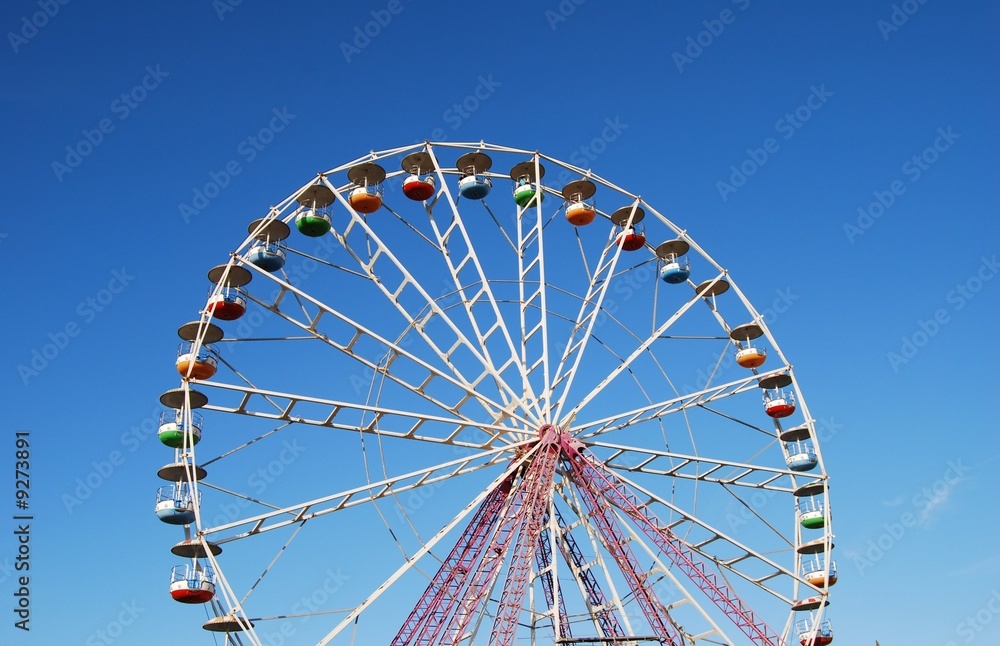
(512, 526)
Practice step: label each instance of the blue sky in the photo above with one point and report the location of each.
(839, 160)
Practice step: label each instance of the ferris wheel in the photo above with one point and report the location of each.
(462, 393)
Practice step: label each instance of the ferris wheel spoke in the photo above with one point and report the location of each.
(712, 537)
(533, 291)
(244, 445)
(789, 543)
(345, 334)
(640, 350)
(277, 518)
(503, 231)
(666, 571)
(245, 380)
(274, 560)
(427, 547)
(327, 263)
(583, 327)
(601, 512)
(600, 483)
(436, 246)
(236, 494)
(635, 459)
(605, 612)
(658, 409)
(591, 308)
(638, 385)
(401, 294)
(347, 416)
(467, 273)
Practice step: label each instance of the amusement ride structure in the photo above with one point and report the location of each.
(535, 414)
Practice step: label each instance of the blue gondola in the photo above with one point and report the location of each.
(675, 272)
(474, 187)
(473, 183)
(801, 456)
(175, 504)
(269, 256)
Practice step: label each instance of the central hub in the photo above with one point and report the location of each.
(548, 433)
(552, 434)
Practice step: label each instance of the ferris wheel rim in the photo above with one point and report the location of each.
(530, 416)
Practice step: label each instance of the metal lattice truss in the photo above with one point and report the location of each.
(617, 477)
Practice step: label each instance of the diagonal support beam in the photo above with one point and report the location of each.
(434, 606)
(427, 547)
(553, 592)
(605, 484)
(603, 611)
(473, 600)
(538, 494)
(616, 542)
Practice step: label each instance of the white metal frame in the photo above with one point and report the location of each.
(504, 395)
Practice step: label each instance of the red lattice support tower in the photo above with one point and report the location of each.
(434, 606)
(604, 483)
(543, 561)
(607, 618)
(617, 544)
(538, 493)
(475, 597)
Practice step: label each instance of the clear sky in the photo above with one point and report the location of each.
(839, 159)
